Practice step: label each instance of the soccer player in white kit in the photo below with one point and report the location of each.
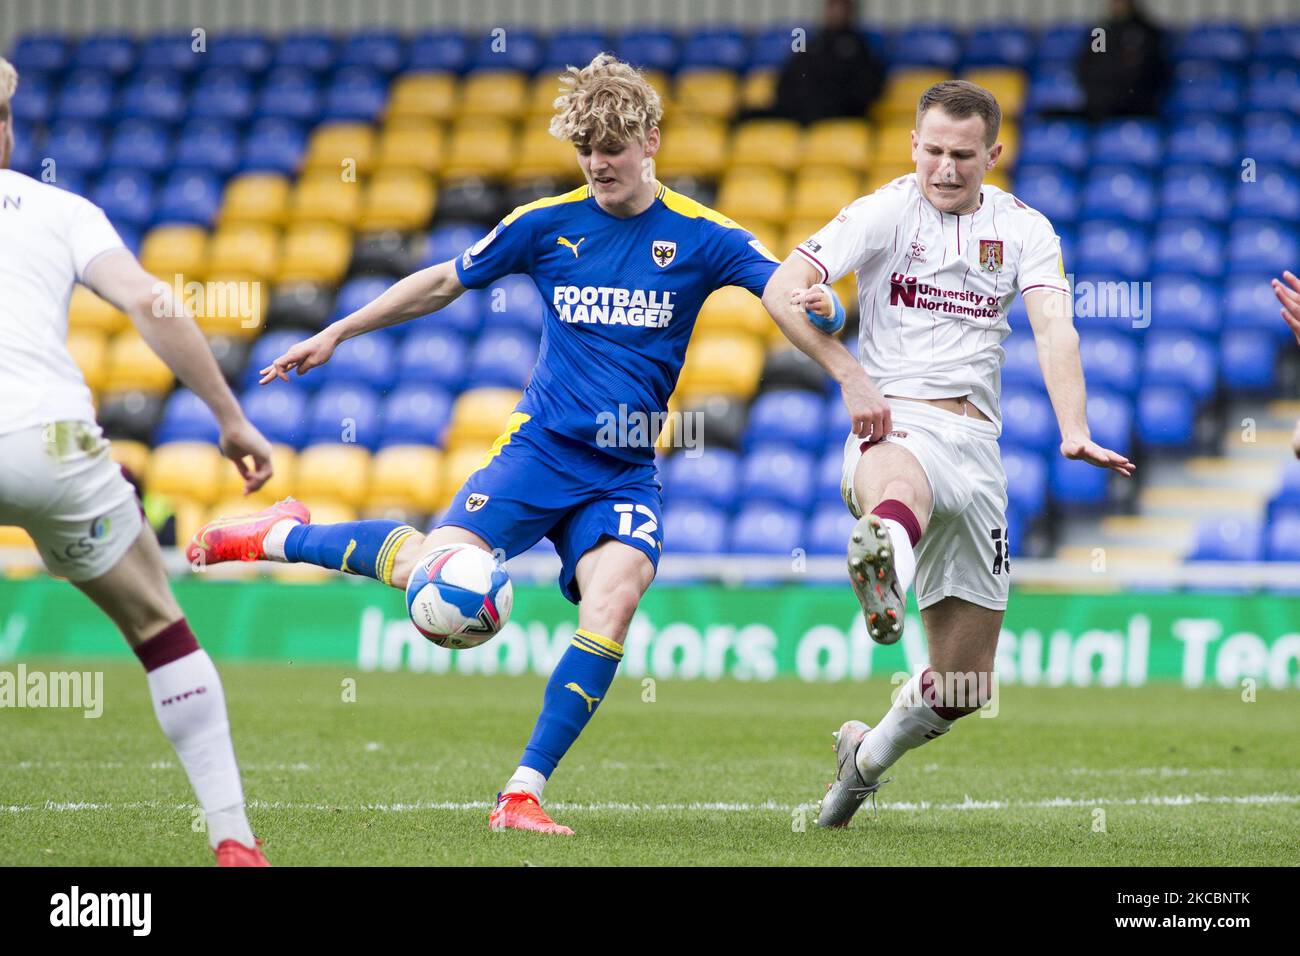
(939, 258)
(58, 481)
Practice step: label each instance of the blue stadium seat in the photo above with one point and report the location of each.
(1278, 42)
(1287, 496)
(104, 50)
(1203, 138)
(1052, 191)
(1259, 245)
(170, 52)
(1060, 43)
(244, 51)
(766, 529)
(279, 411)
(1224, 41)
(786, 417)
(835, 421)
(1054, 87)
(85, 95)
(1028, 420)
(1248, 302)
(1020, 368)
(273, 146)
(1195, 192)
(503, 357)
(436, 356)
(368, 360)
(773, 46)
(1077, 485)
(715, 48)
(344, 413)
(694, 529)
(1009, 46)
(1227, 539)
(1111, 360)
(189, 196)
(140, 144)
(355, 293)
(36, 104)
(778, 475)
(1273, 86)
(1054, 144)
(1283, 538)
(1201, 86)
(1166, 418)
(27, 155)
(291, 93)
(222, 93)
(313, 50)
(650, 48)
(1249, 360)
(448, 240)
(437, 50)
(576, 46)
(1113, 247)
(1275, 193)
(708, 478)
(1110, 419)
(464, 315)
(39, 52)
(1026, 480)
(157, 95)
(208, 145)
(1119, 192)
(75, 145)
(375, 49)
(829, 529)
(1137, 142)
(415, 415)
(1270, 137)
(1186, 303)
(186, 418)
(1188, 247)
(830, 472)
(126, 196)
(924, 44)
(515, 303)
(505, 48)
(1180, 359)
(354, 94)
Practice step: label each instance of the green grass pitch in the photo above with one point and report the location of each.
(704, 774)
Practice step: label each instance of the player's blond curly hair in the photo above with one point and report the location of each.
(606, 101)
(8, 86)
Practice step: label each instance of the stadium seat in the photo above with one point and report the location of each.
(222, 93)
(1248, 360)
(514, 303)
(400, 199)
(1180, 359)
(1054, 144)
(1274, 194)
(835, 430)
(719, 47)
(1137, 142)
(733, 309)
(1054, 88)
(369, 360)
(829, 474)
(111, 51)
(354, 94)
(706, 478)
(415, 414)
(1209, 139)
(480, 415)
(574, 45)
(480, 147)
(170, 52)
(1120, 193)
(74, 145)
(1203, 86)
(648, 48)
(1227, 539)
(1052, 191)
(828, 530)
(186, 469)
(1110, 417)
(1270, 137)
(1020, 367)
(289, 93)
(406, 476)
(140, 145)
(1223, 41)
(1273, 86)
(506, 48)
(255, 198)
(766, 529)
(1283, 538)
(1028, 420)
(333, 473)
(40, 52)
(246, 51)
(315, 252)
(787, 367)
(414, 144)
(541, 155)
(1186, 303)
(248, 249)
(87, 311)
(376, 48)
(999, 46)
(838, 142)
(693, 528)
(1111, 360)
(725, 364)
(1261, 246)
(85, 95)
(769, 144)
(274, 146)
(1113, 247)
(322, 197)
(722, 418)
(1009, 86)
(502, 357)
(189, 197)
(89, 349)
(1077, 485)
(337, 148)
(434, 355)
(1248, 302)
(777, 474)
(437, 50)
(786, 417)
(1183, 246)
(423, 96)
(1026, 480)
(693, 148)
(494, 94)
(132, 364)
(754, 195)
(279, 410)
(903, 87)
(708, 93)
(820, 194)
(186, 418)
(347, 413)
(132, 455)
(1166, 418)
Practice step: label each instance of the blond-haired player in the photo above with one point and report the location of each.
(939, 257)
(58, 481)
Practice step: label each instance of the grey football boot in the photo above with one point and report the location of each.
(845, 795)
(871, 570)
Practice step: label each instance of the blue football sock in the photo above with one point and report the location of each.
(576, 687)
(367, 548)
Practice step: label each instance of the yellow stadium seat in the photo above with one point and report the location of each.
(706, 93)
(324, 197)
(89, 349)
(232, 303)
(481, 147)
(800, 229)
(1006, 85)
(258, 198)
(401, 199)
(903, 89)
(754, 195)
(457, 465)
(88, 311)
(340, 149)
(733, 309)
(430, 96)
(249, 249)
(541, 154)
(695, 148)
(315, 252)
(480, 415)
(411, 144)
(893, 144)
(997, 176)
(15, 538)
(722, 363)
(333, 472)
(496, 94)
(132, 364)
(770, 236)
(406, 476)
(541, 99)
(169, 251)
(186, 469)
(280, 485)
(838, 142)
(767, 143)
(886, 173)
(759, 89)
(822, 195)
(134, 455)
(1009, 137)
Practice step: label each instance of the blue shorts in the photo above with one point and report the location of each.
(537, 483)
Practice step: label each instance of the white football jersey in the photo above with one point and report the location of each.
(934, 288)
(47, 239)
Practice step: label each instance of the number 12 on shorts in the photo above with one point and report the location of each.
(1001, 550)
(645, 530)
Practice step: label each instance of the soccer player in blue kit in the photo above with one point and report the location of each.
(624, 265)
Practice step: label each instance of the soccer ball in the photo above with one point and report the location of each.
(459, 596)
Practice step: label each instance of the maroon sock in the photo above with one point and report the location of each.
(895, 510)
(171, 643)
(931, 690)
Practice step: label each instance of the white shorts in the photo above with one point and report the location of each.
(59, 483)
(963, 551)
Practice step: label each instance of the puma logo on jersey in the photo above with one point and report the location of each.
(591, 701)
(561, 241)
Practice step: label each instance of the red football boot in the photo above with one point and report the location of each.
(521, 811)
(234, 853)
(240, 538)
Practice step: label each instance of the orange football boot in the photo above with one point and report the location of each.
(521, 811)
(240, 538)
(234, 853)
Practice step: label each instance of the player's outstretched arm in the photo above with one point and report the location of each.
(789, 297)
(172, 334)
(418, 294)
(1287, 290)
(1058, 356)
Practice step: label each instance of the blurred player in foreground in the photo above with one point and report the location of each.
(1287, 290)
(939, 258)
(58, 481)
(624, 265)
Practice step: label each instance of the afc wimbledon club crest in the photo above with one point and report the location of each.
(991, 255)
(663, 252)
(475, 501)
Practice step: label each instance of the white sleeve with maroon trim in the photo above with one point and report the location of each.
(864, 227)
(1041, 265)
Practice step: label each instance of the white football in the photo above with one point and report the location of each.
(459, 596)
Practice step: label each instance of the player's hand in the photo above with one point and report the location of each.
(812, 300)
(1289, 296)
(242, 440)
(305, 356)
(868, 409)
(1088, 450)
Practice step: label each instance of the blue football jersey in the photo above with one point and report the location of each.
(621, 295)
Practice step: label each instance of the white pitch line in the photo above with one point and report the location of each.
(1054, 803)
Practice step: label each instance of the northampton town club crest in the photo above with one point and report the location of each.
(663, 252)
(991, 255)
